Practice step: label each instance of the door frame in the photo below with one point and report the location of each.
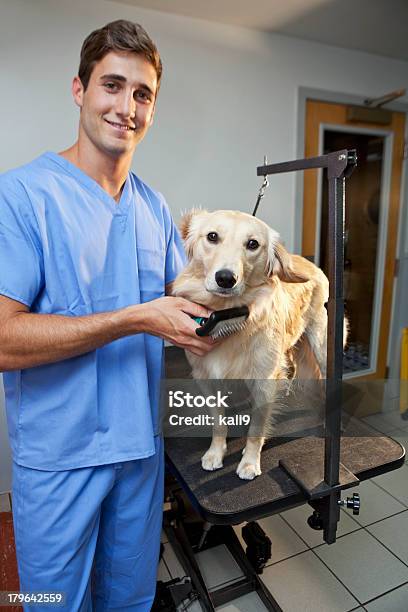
(382, 230)
(304, 94)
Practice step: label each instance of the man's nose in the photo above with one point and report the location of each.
(225, 278)
(126, 105)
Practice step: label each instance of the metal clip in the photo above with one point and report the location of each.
(262, 189)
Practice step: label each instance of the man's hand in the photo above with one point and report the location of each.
(169, 318)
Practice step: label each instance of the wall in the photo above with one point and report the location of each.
(5, 455)
(229, 96)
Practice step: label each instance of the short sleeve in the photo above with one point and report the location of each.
(21, 262)
(175, 253)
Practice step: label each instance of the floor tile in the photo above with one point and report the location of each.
(392, 391)
(303, 583)
(405, 426)
(247, 603)
(173, 564)
(393, 533)
(395, 483)
(396, 601)
(238, 533)
(285, 542)
(162, 572)
(402, 437)
(217, 566)
(195, 606)
(297, 517)
(363, 565)
(376, 504)
(378, 422)
(395, 419)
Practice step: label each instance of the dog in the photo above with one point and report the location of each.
(235, 259)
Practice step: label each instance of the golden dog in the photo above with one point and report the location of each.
(234, 260)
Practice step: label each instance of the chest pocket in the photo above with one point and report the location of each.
(151, 264)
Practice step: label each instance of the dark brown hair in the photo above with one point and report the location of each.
(120, 35)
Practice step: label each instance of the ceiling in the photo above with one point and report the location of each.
(374, 26)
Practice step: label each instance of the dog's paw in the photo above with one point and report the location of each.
(248, 471)
(212, 460)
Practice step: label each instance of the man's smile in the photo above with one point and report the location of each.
(121, 126)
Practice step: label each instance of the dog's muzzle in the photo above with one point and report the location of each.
(225, 278)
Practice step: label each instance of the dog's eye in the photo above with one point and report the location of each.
(212, 237)
(252, 245)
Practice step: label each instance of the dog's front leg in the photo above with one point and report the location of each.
(250, 464)
(212, 459)
(261, 421)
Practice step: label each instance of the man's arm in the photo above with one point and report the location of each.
(28, 339)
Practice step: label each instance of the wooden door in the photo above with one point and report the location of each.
(372, 211)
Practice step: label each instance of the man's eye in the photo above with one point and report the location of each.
(111, 86)
(142, 95)
(212, 237)
(252, 245)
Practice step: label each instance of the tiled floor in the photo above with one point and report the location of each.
(366, 569)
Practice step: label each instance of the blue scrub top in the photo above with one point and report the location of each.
(67, 248)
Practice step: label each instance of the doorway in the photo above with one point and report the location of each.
(371, 218)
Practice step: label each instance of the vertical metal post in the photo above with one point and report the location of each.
(334, 348)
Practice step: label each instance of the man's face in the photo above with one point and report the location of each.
(117, 107)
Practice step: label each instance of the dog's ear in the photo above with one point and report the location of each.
(280, 262)
(283, 266)
(184, 224)
(186, 227)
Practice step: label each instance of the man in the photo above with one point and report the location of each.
(87, 250)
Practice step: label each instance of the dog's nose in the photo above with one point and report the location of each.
(225, 278)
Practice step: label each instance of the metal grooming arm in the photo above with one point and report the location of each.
(323, 490)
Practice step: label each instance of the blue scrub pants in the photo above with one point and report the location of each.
(92, 533)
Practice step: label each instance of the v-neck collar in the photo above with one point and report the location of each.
(118, 208)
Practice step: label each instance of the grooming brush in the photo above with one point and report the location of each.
(222, 323)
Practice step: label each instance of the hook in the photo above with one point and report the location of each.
(262, 189)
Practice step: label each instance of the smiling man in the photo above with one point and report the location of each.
(87, 250)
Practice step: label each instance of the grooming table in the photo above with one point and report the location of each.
(222, 499)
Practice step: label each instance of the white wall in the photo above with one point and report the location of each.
(228, 96)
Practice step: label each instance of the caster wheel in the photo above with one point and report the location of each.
(315, 522)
